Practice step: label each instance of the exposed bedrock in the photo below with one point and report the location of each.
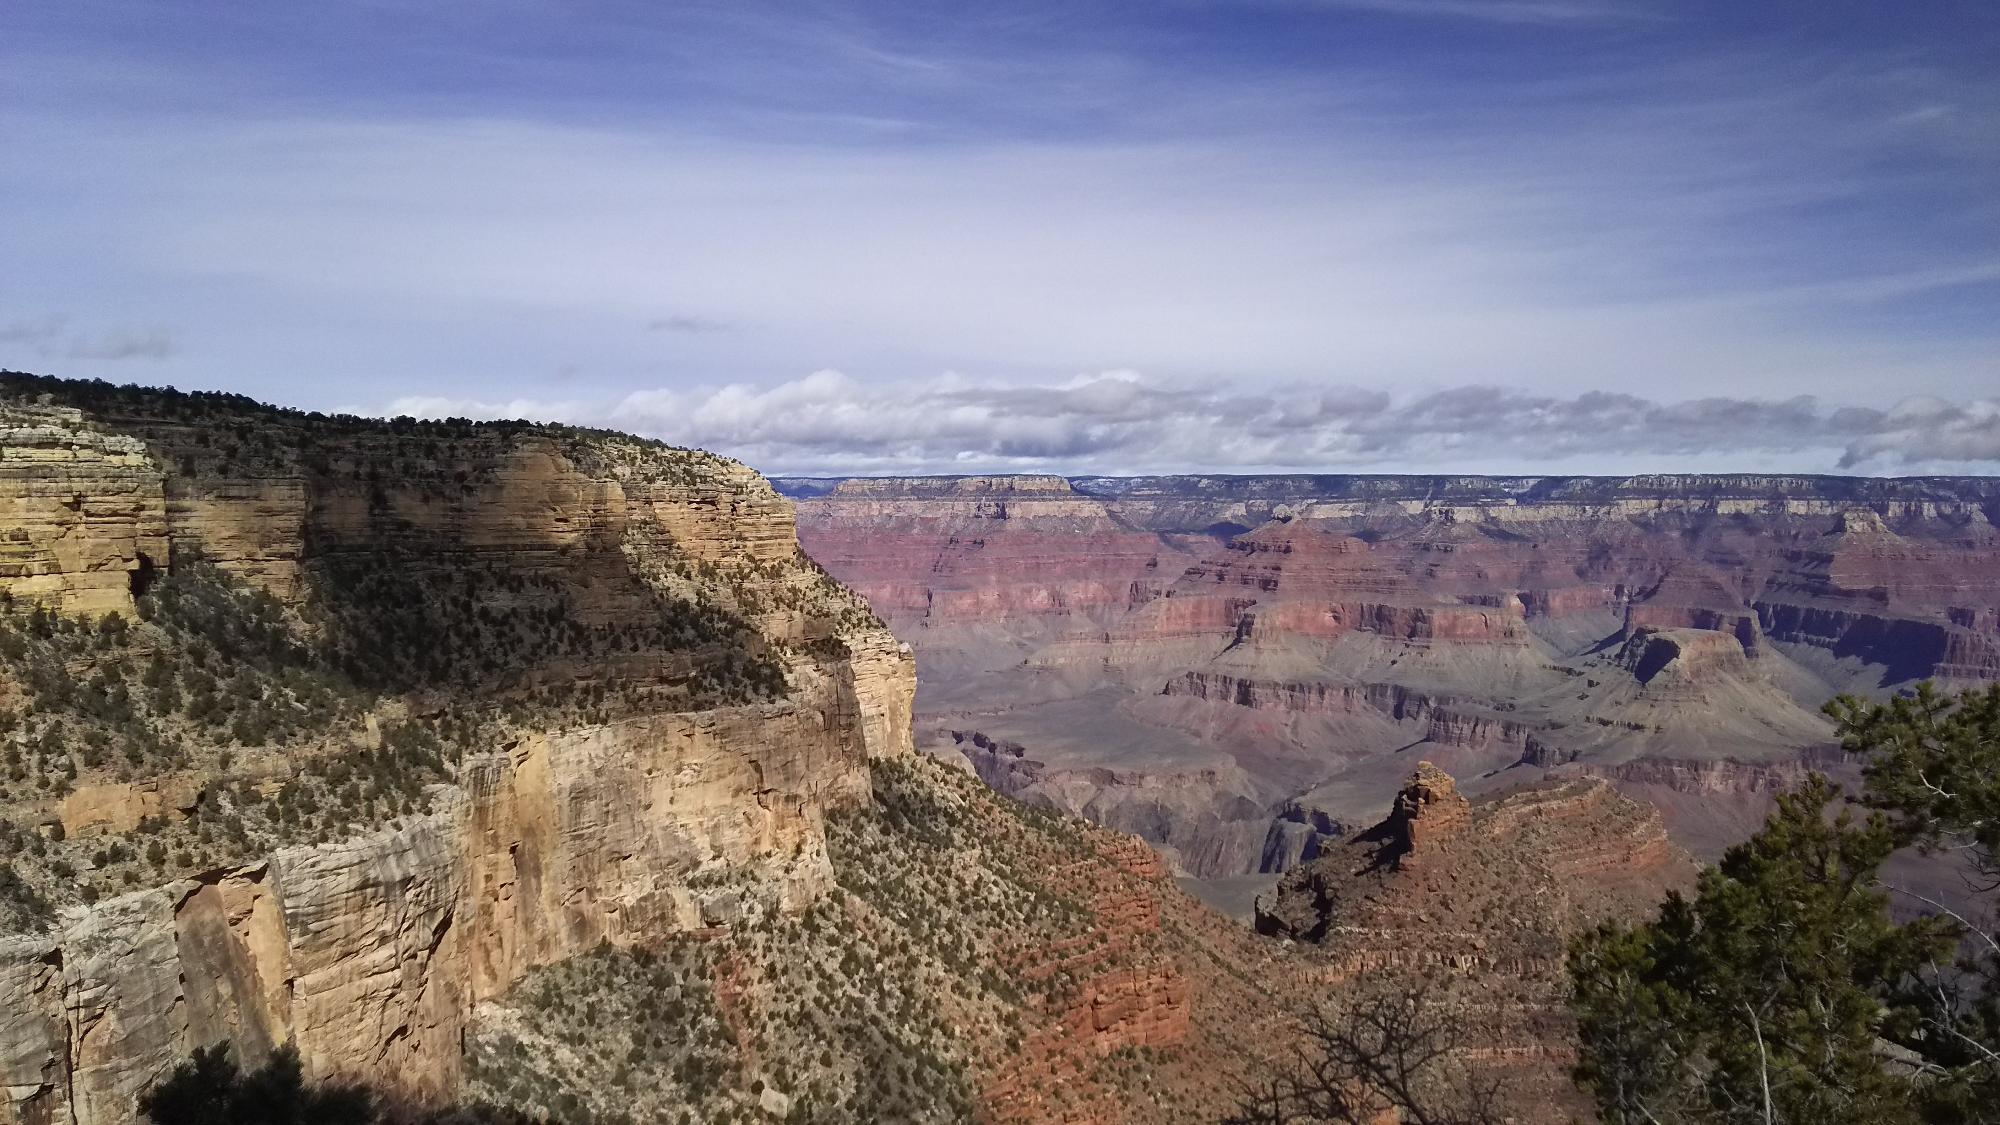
(1682, 660)
(81, 510)
(1438, 718)
(959, 550)
(1206, 821)
(1909, 648)
(1484, 894)
(371, 952)
(1420, 624)
(1508, 625)
(1741, 624)
(1388, 554)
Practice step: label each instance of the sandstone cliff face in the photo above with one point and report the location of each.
(371, 953)
(79, 509)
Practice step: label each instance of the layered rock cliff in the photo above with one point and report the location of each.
(979, 961)
(571, 688)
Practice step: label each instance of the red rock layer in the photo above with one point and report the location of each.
(1908, 584)
(1484, 897)
(1114, 987)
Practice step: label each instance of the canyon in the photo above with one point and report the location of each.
(1241, 670)
(508, 768)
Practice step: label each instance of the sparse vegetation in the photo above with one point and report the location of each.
(944, 935)
(945, 946)
(1389, 1049)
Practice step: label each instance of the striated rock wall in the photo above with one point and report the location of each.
(79, 510)
(370, 953)
(1886, 571)
(1741, 624)
(1447, 721)
(1911, 648)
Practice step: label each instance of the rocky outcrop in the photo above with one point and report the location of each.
(1666, 661)
(1741, 623)
(1481, 899)
(1429, 812)
(1563, 852)
(1298, 835)
(370, 953)
(83, 512)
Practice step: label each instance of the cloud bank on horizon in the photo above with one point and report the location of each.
(1575, 235)
(828, 424)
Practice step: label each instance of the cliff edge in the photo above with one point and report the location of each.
(328, 730)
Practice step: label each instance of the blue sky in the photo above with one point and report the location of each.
(1399, 235)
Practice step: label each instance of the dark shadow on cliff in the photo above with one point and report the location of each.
(211, 1089)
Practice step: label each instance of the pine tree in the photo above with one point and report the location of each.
(1934, 769)
(1764, 997)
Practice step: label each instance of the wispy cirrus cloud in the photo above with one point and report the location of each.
(683, 322)
(1552, 13)
(51, 337)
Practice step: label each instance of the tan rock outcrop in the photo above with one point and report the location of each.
(1482, 899)
(119, 806)
(81, 510)
(1428, 811)
(371, 953)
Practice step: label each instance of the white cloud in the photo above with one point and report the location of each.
(1642, 245)
(1122, 422)
(1931, 430)
(438, 406)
